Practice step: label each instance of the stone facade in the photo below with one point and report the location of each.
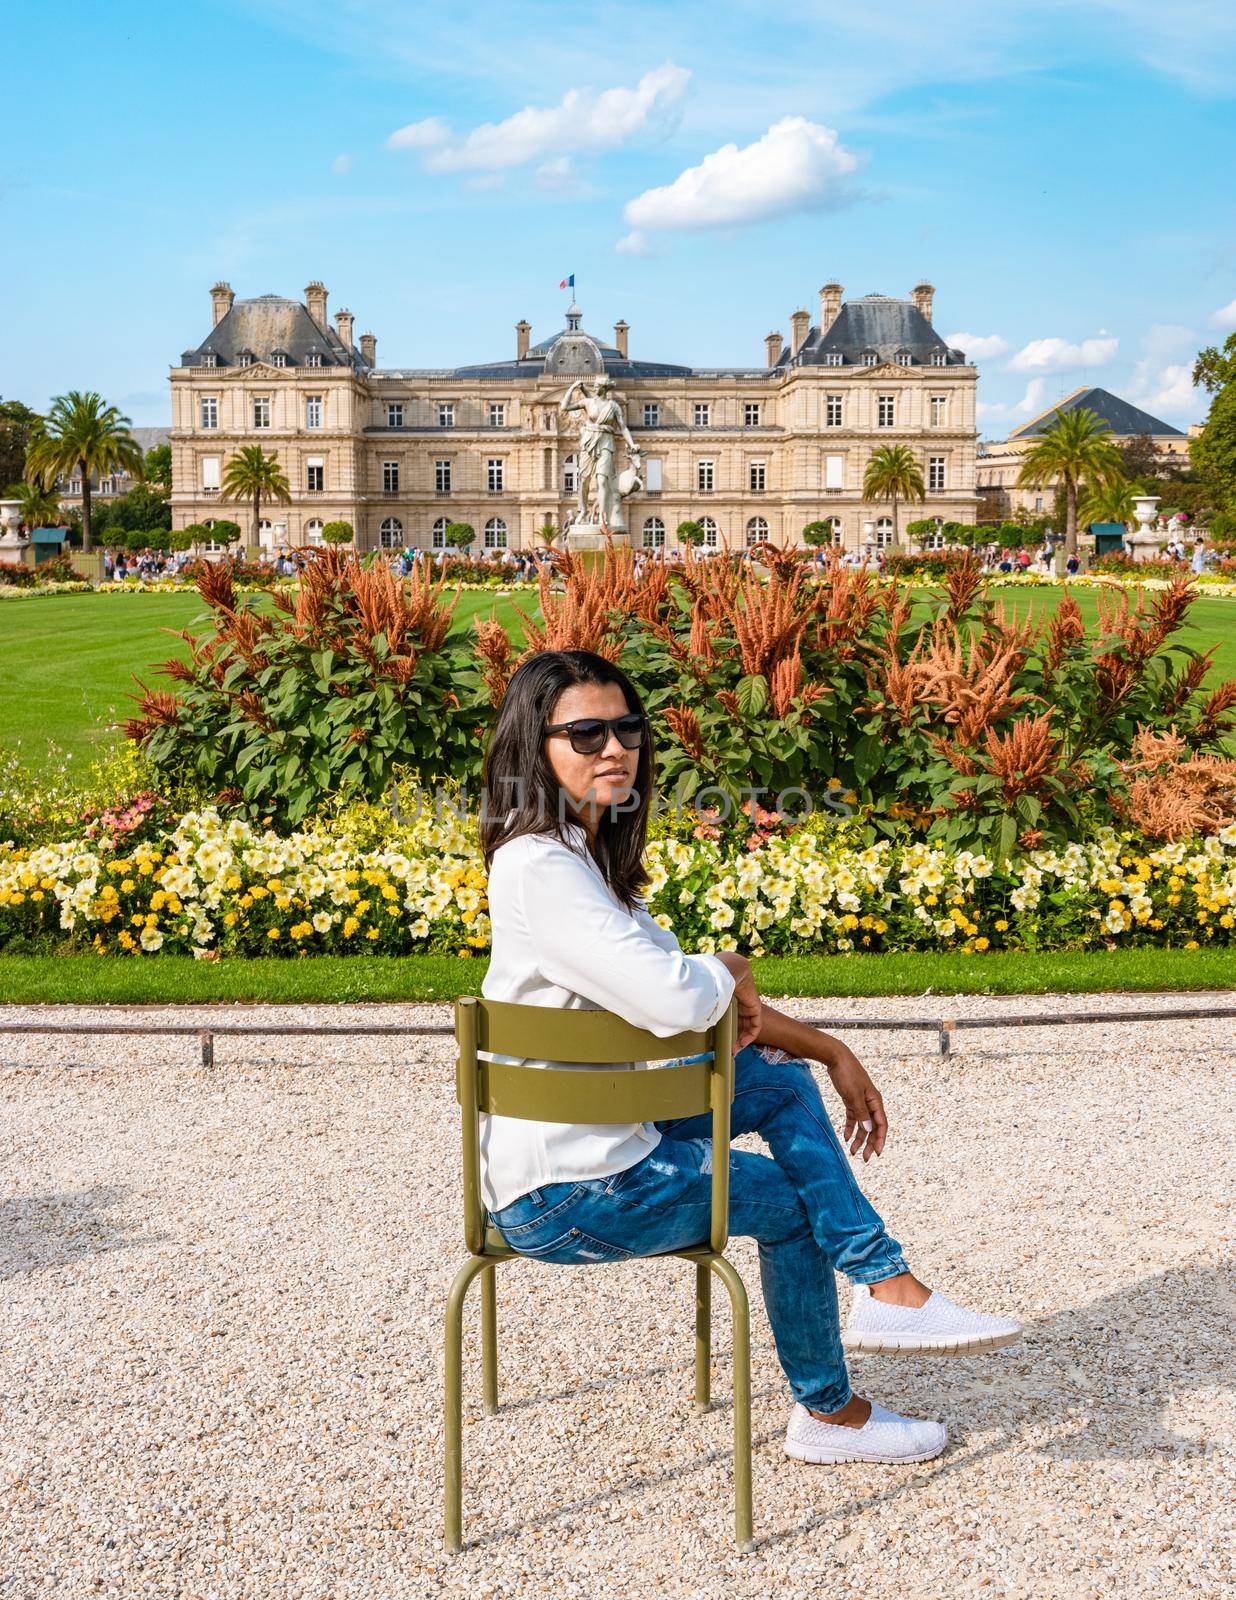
(750, 452)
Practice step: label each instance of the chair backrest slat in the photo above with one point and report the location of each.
(551, 1034)
(584, 1094)
(558, 1094)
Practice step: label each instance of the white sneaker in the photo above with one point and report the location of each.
(883, 1437)
(939, 1326)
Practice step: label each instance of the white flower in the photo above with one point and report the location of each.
(322, 921)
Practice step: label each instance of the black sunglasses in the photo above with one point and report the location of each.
(590, 734)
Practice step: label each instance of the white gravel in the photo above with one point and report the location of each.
(221, 1313)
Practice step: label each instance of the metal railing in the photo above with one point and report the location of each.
(944, 1027)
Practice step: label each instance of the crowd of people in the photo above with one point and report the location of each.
(524, 565)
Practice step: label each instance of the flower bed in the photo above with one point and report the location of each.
(210, 886)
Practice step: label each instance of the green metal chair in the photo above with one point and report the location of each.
(563, 1095)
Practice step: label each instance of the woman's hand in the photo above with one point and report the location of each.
(864, 1107)
(745, 993)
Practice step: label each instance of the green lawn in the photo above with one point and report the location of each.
(47, 980)
(69, 660)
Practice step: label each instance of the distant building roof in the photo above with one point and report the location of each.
(876, 323)
(268, 325)
(148, 438)
(1120, 416)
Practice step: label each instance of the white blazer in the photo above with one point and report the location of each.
(561, 938)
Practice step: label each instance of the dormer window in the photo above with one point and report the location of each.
(280, 358)
(870, 357)
(939, 358)
(903, 358)
(210, 359)
(833, 358)
(245, 357)
(314, 358)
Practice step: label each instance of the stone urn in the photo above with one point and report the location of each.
(1146, 541)
(13, 543)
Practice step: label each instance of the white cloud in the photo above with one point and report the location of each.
(1225, 316)
(1031, 403)
(583, 120)
(634, 243)
(978, 346)
(796, 166)
(341, 164)
(1056, 355)
(1162, 382)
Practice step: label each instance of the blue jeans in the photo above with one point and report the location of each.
(803, 1207)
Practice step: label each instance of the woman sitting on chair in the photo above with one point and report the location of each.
(567, 792)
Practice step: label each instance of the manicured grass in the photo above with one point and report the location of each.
(70, 660)
(172, 980)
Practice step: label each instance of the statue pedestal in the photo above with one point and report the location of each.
(587, 541)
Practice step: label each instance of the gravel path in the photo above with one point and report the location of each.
(222, 1297)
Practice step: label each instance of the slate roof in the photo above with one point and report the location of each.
(873, 322)
(270, 324)
(1121, 416)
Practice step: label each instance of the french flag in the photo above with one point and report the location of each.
(568, 283)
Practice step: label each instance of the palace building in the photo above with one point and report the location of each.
(399, 452)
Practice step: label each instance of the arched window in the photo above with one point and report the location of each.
(437, 536)
(883, 532)
(390, 534)
(211, 544)
(495, 534)
(757, 530)
(935, 539)
(654, 533)
(570, 468)
(313, 531)
(834, 528)
(711, 537)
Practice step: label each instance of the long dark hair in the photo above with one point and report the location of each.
(519, 790)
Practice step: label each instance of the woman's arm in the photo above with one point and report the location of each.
(584, 942)
(864, 1105)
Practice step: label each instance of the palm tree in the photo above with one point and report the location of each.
(893, 474)
(1106, 502)
(253, 475)
(38, 506)
(1078, 444)
(81, 432)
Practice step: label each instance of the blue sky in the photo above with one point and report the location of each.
(1060, 171)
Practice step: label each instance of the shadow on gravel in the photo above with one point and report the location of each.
(1102, 1375)
(42, 1231)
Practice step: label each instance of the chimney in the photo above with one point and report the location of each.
(221, 298)
(523, 332)
(369, 348)
(772, 349)
(800, 323)
(343, 326)
(621, 329)
(315, 299)
(922, 294)
(830, 305)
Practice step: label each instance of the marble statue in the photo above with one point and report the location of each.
(600, 487)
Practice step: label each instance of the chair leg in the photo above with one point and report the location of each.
(489, 1338)
(703, 1335)
(453, 1430)
(742, 1400)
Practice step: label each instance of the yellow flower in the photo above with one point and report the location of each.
(1001, 925)
(350, 925)
(128, 885)
(982, 944)
(372, 933)
(229, 919)
(272, 933)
